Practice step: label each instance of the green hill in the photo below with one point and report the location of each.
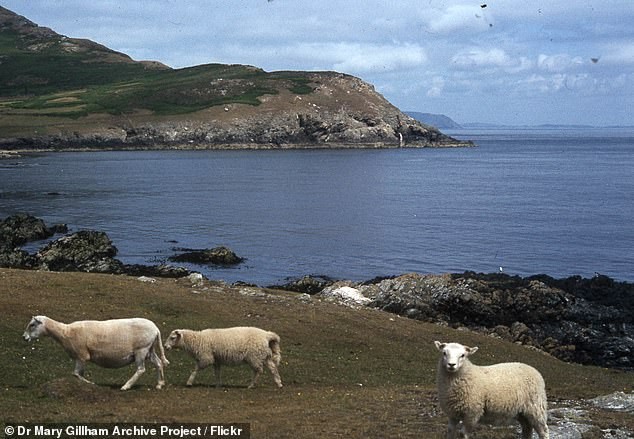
(63, 92)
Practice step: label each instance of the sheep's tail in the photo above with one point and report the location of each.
(274, 344)
(158, 344)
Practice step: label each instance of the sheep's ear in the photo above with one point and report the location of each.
(472, 350)
(440, 346)
(178, 334)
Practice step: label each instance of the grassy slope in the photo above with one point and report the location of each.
(347, 373)
(47, 79)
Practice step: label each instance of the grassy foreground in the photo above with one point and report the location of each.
(346, 373)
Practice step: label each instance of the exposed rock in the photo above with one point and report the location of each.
(618, 401)
(307, 284)
(88, 251)
(591, 323)
(218, 256)
(161, 270)
(18, 230)
(344, 294)
(21, 228)
(16, 258)
(573, 419)
(85, 250)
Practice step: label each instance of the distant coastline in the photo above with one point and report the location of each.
(445, 122)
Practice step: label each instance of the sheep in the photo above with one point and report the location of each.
(108, 343)
(489, 394)
(230, 346)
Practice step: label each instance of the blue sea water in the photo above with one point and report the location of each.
(559, 202)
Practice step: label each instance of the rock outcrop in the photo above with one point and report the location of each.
(86, 250)
(216, 256)
(588, 321)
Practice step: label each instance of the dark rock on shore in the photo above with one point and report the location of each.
(217, 256)
(161, 270)
(86, 250)
(307, 284)
(18, 230)
(21, 228)
(588, 321)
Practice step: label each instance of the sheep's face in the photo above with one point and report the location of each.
(34, 329)
(174, 340)
(454, 355)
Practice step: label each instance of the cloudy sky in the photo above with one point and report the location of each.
(495, 61)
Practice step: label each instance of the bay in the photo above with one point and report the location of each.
(558, 202)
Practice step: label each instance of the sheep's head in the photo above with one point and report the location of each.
(453, 355)
(174, 340)
(34, 329)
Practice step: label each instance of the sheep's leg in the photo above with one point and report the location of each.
(527, 429)
(79, 371)
(530, 423)
(542, 431)
(190, 381)
(540, 426)
(140, 370)
(159, 368)
(217, 375)
(273, 368)
(468, 425)
(257, 371)
(452, 427)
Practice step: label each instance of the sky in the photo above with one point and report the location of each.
(507, 62)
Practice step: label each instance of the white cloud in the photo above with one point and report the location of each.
(622, 53)
(355, 58)
(558, 63)
(482, 58)
(367, 58)
(458, 18)
(436, 87)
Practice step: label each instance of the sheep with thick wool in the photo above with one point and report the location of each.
(496, 394)
(230, 346)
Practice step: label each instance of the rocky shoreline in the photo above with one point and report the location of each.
(587, 321)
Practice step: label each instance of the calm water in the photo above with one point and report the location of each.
(555, 202)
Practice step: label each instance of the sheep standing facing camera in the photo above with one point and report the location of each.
(496, 394)
(230, 346)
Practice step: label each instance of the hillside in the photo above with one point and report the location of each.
(438, 120)
(61, 92)
(355, 373)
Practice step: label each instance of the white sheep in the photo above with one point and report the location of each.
(496, 394)
(230, 346)
(108, 343)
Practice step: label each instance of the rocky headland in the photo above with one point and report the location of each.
(587, 321)
(111, 101)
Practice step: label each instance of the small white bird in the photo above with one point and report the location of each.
(501, 270)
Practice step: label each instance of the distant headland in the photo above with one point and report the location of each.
(58, 92)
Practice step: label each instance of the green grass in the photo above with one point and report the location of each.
(347, 373)
(163, 92)
(110, 83)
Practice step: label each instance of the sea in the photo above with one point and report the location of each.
(523, 201)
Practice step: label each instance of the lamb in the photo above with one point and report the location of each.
(470, 394)
(230, 346)
(108, 343)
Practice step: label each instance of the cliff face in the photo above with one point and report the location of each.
(79, 94)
